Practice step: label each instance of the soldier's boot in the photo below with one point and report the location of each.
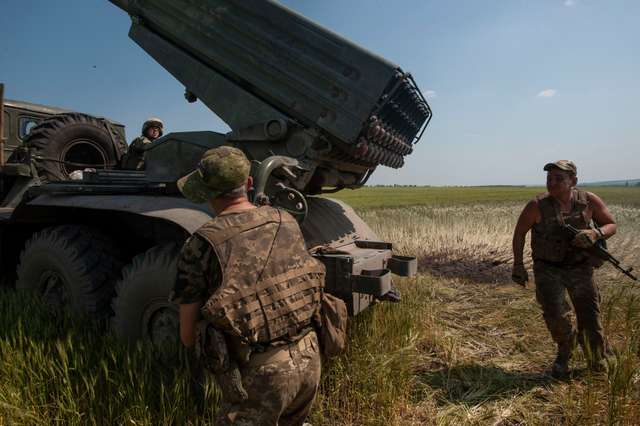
(560, 367)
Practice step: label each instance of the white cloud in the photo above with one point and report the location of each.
(570, 3)
(430, 94)
(547, 93)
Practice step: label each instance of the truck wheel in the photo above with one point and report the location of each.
(72, 267)
(72, 141)
(142, 310)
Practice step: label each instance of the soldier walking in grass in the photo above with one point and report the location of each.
(151, 130)
(562, 263)
(248, 291)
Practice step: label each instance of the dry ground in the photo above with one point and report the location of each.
(478, 348)
(465, 346)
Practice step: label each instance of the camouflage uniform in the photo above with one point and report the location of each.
(560, 267)
(282, 381)
(551, 283)
(260, 289)
(281, 384)
(135, 154)
(134, 159)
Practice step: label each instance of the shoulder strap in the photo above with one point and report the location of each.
(582, 204)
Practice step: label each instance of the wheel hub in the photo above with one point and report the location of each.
(82, 153)
(54, 290)
(162, 328)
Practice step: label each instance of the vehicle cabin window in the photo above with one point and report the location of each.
(5, 124)
(26, 124)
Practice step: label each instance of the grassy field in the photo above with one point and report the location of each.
(465, 346)
(378, 197)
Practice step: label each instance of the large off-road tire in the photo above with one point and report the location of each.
(142, 310)
(72, 267)
(72, 141)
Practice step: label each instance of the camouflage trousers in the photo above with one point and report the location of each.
(552, 284)
(281, 383)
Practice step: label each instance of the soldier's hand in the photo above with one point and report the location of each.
(519, 274)
(230, 383)
(585, 238)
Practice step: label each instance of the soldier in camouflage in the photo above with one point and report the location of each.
(151, 130)
(563, 264)
(247, 290)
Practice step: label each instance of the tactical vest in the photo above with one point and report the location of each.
(271, 286)
(549, 241)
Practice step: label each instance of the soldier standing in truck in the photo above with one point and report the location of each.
(247, 291)
(151, 130)
(561, 263)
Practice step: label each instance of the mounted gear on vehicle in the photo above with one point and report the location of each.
(73, 141)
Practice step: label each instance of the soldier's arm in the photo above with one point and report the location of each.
(191, 288)
(137, 145)
(529, 216)
(602, 216)
(189, 316)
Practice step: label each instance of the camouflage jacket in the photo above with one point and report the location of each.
(198, 274)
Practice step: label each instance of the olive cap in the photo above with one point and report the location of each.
(220, 170)
(566, 165)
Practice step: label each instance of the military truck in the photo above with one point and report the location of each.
(313, 112)
(63, 141)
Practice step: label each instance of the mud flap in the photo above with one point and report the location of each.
(360, 272)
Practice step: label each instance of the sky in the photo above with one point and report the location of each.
(513, 84)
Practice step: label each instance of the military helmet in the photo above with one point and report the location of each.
(220, 170)
(152, 122)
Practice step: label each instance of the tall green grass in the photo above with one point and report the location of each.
(59, 369)
(377, 197)
(461, 348)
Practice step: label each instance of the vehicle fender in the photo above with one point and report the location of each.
(189, 216)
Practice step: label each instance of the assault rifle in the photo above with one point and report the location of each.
(600, 250)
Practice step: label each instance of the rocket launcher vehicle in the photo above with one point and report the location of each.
(286, 86)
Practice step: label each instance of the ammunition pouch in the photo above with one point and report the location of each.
(211, 348)
(549, 248)
(213, 353)
(230, 383)
(331, 322)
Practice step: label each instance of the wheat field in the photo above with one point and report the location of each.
(465, 345)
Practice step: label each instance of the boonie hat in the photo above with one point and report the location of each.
(220, 170)
(566, 165)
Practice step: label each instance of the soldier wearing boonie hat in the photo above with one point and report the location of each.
(265, 356)
(563, 265)
(220, 170)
